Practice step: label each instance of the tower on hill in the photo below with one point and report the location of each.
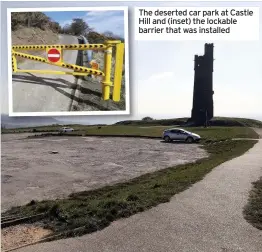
(202, 111)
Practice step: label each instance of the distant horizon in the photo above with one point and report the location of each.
(114, 119)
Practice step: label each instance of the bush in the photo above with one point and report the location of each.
(33, 19)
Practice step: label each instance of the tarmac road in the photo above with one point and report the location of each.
(45, 92)
(205, 218)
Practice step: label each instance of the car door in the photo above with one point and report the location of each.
(174, 134)
(182, 135)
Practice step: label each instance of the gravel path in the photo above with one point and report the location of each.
(207, 218)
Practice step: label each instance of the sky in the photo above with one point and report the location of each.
(162, 72)
(100, 21)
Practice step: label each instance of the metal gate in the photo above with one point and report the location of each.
(55, 57)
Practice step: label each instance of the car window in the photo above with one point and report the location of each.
(174, 131)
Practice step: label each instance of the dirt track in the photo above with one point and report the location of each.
(31, 171)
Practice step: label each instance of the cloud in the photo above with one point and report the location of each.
(66, 22)
(102, 21)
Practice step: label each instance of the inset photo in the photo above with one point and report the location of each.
(68, 61)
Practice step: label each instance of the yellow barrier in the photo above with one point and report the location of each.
(67, 47)
(78, 70)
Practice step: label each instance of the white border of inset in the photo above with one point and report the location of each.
(217, 1)
(68, 113)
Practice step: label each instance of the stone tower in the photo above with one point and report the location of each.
(202, 110)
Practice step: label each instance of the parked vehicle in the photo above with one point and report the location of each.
(180, 135)
(66, 129)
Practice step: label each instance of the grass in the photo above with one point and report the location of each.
(237, 122)
(90, 211)
(253, 210)
(208, 134)
(216, 121)
(211, 134)
(133, 126)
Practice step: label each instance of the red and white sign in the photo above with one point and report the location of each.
(53, 55)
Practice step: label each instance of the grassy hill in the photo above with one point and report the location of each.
(216, 121)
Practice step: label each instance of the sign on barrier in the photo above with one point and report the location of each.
(55, 57)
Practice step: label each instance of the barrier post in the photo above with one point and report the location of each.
(118, 71)
(14, 63)
(107, 71)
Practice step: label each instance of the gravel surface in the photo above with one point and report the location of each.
(31, 168)
(206, 218)
(15, 236)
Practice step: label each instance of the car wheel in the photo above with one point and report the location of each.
(167, 139)
(189, 140)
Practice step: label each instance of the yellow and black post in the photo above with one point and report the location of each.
(107, 84)
(14, 63)
(119, 58)
(107, 71)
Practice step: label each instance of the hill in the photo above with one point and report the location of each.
(22, 122)
(33, 28)
(216, 121)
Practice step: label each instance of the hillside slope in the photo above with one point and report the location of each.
(33, 36)
(20, 122)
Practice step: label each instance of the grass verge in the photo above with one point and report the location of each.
(253, 210)
(89, 211)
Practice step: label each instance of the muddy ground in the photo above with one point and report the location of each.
(48, 168)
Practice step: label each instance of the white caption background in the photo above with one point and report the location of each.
(197, 23)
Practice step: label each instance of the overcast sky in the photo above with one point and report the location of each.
(162, 72)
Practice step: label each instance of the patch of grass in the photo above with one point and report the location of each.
(253, 210)
(93, 210)
(211, 134)
(208, 135)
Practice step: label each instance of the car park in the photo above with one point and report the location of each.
(180, 135)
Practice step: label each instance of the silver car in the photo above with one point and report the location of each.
(180, 135)
(66, 129)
